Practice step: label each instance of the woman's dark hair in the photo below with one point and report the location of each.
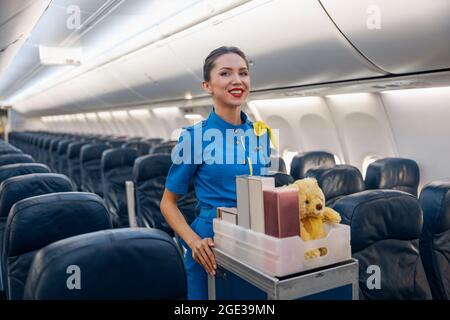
(216, 53)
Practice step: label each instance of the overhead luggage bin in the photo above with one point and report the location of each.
(400, 36)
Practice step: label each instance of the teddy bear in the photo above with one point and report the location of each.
(313, 213)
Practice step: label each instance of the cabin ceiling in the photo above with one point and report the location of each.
(142, 51)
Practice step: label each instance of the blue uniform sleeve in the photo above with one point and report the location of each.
(183, 167)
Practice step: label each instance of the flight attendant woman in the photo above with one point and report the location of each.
(213, 152)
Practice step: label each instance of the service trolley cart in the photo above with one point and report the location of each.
(235, 280)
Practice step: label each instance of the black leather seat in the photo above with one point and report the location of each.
(149, 177)
(90, 161)
(21, 187)
(301, 163)
(9, 150)
(15, 158)
(73, 162)
(385, 231)
(164, 147)
(117, 168)
(141, 146)
(337, 181)
(393, 173)
(18, 169)
(133, 264)
(39, 221)
(63, 165)
(435, 239)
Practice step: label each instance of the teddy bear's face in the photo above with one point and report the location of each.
(311, 198)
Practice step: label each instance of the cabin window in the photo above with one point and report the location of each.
(287, 155)
(367, 161)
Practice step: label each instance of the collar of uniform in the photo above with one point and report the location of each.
(222, 124)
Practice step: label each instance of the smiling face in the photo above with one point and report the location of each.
(229, 82)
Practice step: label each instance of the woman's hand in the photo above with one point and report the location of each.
(202, 253)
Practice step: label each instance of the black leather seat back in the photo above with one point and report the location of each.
(164, 147)
(90, 161)
(15, 158)
(63, 165)
(435, 239)
(73, 162)
(141, 146)
(39, 221)
(385, 231)
(21, 187)
(149, 177)
(337, 181)
(134, 264)
(18, 169)
(393, 173)
(301, 163)
(117, 168)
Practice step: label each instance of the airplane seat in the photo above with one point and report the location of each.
(435, 239)
(116, 169)
(53, 154)
(338, 181)
(25, 186)
(149, 177)
(15, 158)
(73, 163)
(393, 173)
(301, 163)
(62, 156)
(134, 264)
(45, 156)
(385, 230)
(90, 160)
(164, 147)
(117, 143)
(36, 222)
(141, 146)
(18, 169)
(9, 150)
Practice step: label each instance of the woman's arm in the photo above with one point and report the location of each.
(201, 251)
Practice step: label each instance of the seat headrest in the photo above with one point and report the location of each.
(18, 188)
(376, 215)
(93, 151)
(435, 201)
(118, 157)
(164, 147)
(337, 181)
(9, 151)
(151, 166)
(63, 146)
(38, 221)
(393, 173)
(18, 169)
(15, 158)
(136, 263)
(301, 163)
(74, 148)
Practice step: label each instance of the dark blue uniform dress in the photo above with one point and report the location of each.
(214, 152)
